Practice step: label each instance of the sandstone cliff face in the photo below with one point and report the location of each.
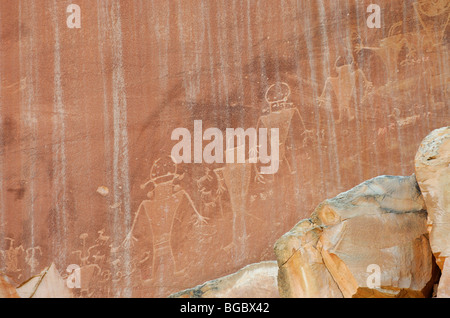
(378, 226)
(432, 165)
(86, 117)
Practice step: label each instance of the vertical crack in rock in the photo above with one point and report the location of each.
(120, 153)
(2, 143)
(221, 17)
(32, 78)
(107, 142)
(111, 28)
(214, 97)
(333, 157)
(162, 36)
(323, 187)
(237, 54)
(58, 148)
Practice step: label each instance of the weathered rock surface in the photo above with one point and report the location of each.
(432, 165)
(253, 281)
(7, 290)
(48, 284)
(302, 272)
(380, 223)
(444, 283)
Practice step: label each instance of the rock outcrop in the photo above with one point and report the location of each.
(7, 289)
(443, 290)
(48, 284)
(432, 164)
(370, 241)
(253, 281)
(298, 278)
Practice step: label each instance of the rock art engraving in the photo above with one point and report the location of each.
(11, 256)
(344, 87)
(157, 215)
(32, 255)
(279, 113)
(87, 110)
(430, 11)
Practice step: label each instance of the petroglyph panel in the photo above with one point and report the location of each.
(87, 111)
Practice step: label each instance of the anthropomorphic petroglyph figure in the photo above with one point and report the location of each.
(389, 49)
(32, 255)
(11, 257)
(211, 187)
(156, 216)
(89, 271)
(84, 253)
(344, 86)
(431, 13)
(279, 113)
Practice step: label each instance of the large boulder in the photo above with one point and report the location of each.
(48, 284)
(370, 241)
(253, 281)
(432, 164)
(302, 272)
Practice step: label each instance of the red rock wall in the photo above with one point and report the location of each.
(95, 107)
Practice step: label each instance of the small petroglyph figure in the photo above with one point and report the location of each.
(88, 271)
(211, 187)
(101, 239)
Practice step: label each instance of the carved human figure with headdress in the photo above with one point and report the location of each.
(279, 113)
(155, 218)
